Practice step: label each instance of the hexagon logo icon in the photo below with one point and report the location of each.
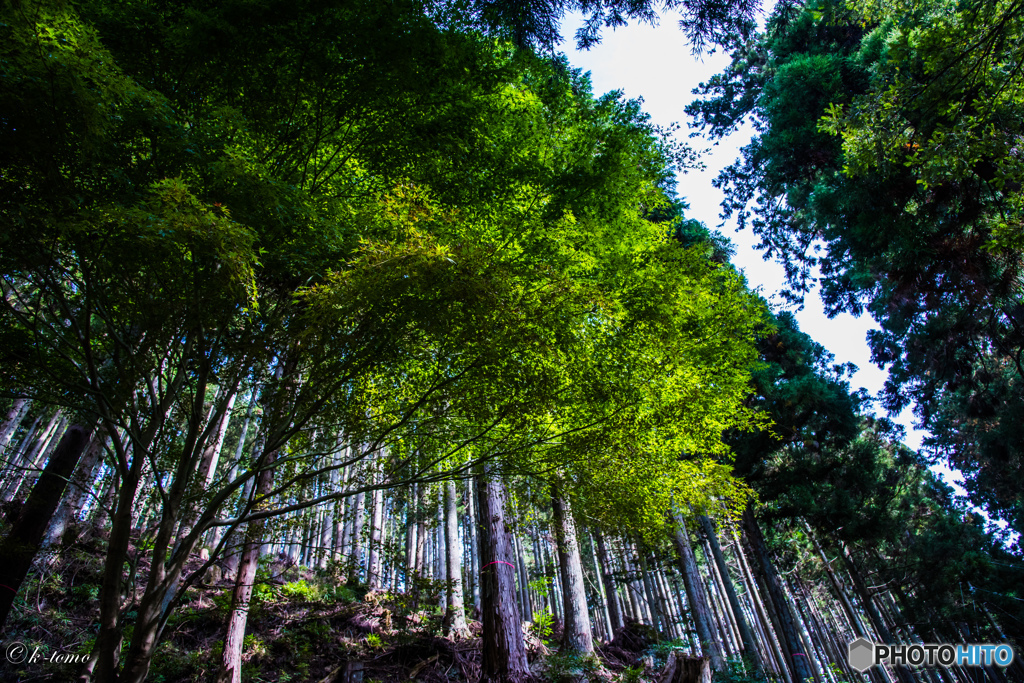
(862, 654)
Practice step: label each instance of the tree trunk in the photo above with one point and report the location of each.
(746, 635)
(108, 642)
(472, 526)
(763, 621)
(10, 424)
(26, 461)
(614, 610)
(649, 597)
(578, 637)
(13, 458)
(602, 594)
(902, 672)
(695, 597)
(357, 533)
(231, 660)
(217, 533)
(455, 615)
(504, 652)
(21, 544)
(79, 489)
(410, 538)
(373, 558)
(788, 634)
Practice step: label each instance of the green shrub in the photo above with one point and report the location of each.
(632, 674)
(565, 667)
(739, 670)
(301, 590)
(542, 625)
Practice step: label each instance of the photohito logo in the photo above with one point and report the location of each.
(864, 654)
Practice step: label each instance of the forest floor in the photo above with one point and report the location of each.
(304, 625)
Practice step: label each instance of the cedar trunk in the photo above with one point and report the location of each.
(797, 658)
(578, 637)
(21, 544)
(746, 635)
(695, 597)
(455, 615)
(504, 652)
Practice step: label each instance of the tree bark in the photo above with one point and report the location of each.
(504, 652)
(373, 558)
(606, 614)
(791, 640)
(649, 595)
(21, 544)
(699, 608)
(355, 554)
(614, 610)
(231, 660)
(80, 487)
(10, 424)
(23, 463)
(902, 672)
(455, 625)
(746, 635)
(578, 637)
(472, 526)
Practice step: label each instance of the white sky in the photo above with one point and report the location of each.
(655, 63)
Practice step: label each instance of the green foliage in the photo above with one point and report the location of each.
(85, 593)
(887, 137)
(563, 667)
(740, 671)
(450, 243)
(373, 641)
(343, 594)
(661, 649)
(543, 624)
(301, 590)
(631, 674)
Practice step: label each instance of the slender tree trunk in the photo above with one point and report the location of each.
(721, 619)
(524, 581)
(746, 635)
(10, 424)
(504, 652)
(23, 464)
(764, 621)
(578, 637)
(21, 544)
(472, 526)
(373, 559)
(357, 533)
(699, 608)
(902, 672)
(788, 634)
(13, 460)
(649, 594)
(217, 532)
(340, 511)
(602, 594)
(455, 615)
(79, 489)
(410, 538)
(614, 610)
(809, 650)
(108, 642)
(231, 660)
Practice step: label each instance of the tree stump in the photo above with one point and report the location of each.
(682, 669)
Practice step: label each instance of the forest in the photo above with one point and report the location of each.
(361, 341)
